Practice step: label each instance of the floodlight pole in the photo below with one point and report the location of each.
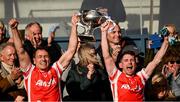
(140, 16)
(151, 17)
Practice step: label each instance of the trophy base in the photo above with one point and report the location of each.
(87, 38)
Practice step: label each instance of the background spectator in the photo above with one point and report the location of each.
(34, 39)
(11, 81)
(84, 81)
(158, 89)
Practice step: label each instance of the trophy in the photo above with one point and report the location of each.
(89, 21)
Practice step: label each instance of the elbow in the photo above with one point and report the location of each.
(106, 56)
(156, 61)
(20, 51)
(72, 47)
(72, 51)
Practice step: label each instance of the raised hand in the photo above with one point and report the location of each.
(105, 26)
(15, 73)
(176, 70)
(35, 43)
(74, 19)
(52, 31)
(13, 23)
(19, 80)
(115, 51)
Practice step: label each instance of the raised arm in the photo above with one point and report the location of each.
(109, 62)
(158, 57)
(22, 54)
(52, 31)
(68, 55)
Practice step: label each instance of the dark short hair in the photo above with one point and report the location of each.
(119, 58)
(131, 47)
(41, 48)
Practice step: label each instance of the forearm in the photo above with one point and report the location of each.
(161, 52)
(18, 44)
(109, 62)
(68, 55)
(73, 40)
(51, 38)
(22, 54)
(156, 60)
(17, 40)
(104, 45)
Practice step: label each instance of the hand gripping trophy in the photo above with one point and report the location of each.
(89, 21)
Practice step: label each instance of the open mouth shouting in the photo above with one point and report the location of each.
(130, 67)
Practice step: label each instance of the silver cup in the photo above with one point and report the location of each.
(89, 21)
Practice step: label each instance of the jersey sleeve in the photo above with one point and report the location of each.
(27, 70)
(114, 75)
(59, 68)
(143, 75)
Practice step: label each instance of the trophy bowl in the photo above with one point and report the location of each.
(89, 21)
